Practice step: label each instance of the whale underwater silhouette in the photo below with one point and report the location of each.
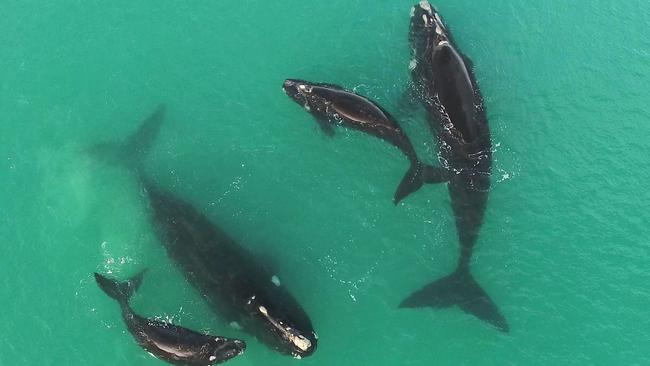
(238, 286)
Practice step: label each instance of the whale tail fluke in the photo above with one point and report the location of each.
(132, 150)
(416, 176)
(120, 291)
(460, 289)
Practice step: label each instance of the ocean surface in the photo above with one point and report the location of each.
(564, 250)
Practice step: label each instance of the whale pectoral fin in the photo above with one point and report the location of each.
(407, 104)
(325, 125)
(432, 174)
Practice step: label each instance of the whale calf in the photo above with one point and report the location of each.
(331, 104)
(445, 85)
(241, 289)
(171, 343)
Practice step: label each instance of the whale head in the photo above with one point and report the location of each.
(426, 26)
(316, 98)
(224, 349)
(299, 90)
(287, 332)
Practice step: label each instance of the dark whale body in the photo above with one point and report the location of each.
(168, 342)
(444, 83)
(331, 105)
(240, 288)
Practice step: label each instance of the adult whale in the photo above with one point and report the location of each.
(239, 287)
(168, 342)
(331, 104)
(445, 84)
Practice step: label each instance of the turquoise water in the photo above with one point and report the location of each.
(564, 248)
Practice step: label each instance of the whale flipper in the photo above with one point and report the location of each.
(325, 125)
(417, 175)
(460, 289)
(408, 104)
(120, 291)
(131, 151)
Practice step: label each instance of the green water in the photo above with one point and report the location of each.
(563, 251)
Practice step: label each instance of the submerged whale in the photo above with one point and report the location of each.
(171, 343)
(241, 289)
(444, 83)
(331, 104)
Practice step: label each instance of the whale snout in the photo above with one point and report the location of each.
(228, 350)
(424, 15)
(302, 345)
(297, 90)
(288, 84)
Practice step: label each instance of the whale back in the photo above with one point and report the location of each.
(455, 91)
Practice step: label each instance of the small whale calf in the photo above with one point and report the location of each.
(171, 343)
(331, 104)
(445, 84)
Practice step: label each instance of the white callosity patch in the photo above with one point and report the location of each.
(297, 340)
(251, 300)
(424, 4)
(275, 280)
(440, 26)
(212, 358)
(412, 11)
(425, 19)
(263, 310)
(300, 341)
(412, 65)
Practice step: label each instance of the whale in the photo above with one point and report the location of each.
(242, 289)
(171, 343)
(332, 105)
(444, 83)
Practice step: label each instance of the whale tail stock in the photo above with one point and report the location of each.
(416, 176)
(460, 289)
(131, 151)
(120, 291)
